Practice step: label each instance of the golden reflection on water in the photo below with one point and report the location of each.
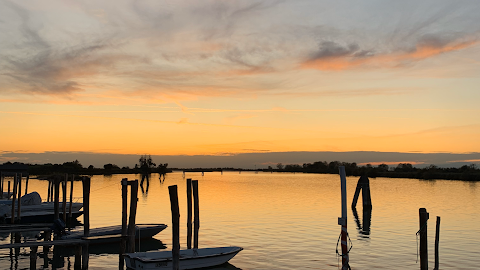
(289, 221)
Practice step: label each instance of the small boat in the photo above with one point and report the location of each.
(189, 258)
(39, 217)
(109, 234)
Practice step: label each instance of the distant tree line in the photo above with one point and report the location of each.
(75, 167)
(402, 170)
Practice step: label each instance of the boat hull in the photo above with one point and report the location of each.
(189, 258)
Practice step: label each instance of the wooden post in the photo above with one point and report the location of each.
(189, 213)
(357, 193)
(19, 207)
(33, 258)
(133, 213)
(26, 184)
(51, 189)
(78, 258)
(196, 218)
(64, 198)
(123, 241)
(172, 190)
(8, 190)
(437, 240)
(49, 184)
(86, 219)
(1, 185)
(14, 199)
(423, 238)
(56, 205)
(343, 220)
(71, 199)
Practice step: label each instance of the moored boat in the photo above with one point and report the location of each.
(189, 258)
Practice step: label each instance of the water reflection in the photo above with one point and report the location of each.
(363, 229)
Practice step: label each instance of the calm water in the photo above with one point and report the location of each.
(289, 221)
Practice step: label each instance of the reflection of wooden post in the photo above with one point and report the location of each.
(64, 193)
(14, 199)
(189, 213)
(172, 190)
(33, 258)
(133, 213)
(123, 241)
(86, 219)
(46, 249)
(423, 238)
(19, 207)
(71, 199)
(78, 258)
(196, 219)
(437, 239)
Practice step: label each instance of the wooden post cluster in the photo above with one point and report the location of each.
(363, 185)
(172, 190)
(127, 241)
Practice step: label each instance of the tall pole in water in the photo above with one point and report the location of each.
(343, 220)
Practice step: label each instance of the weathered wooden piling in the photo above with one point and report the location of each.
(343, 220)
(14, 199)
(172, 190)
(8, 190)
(133, 213)
(86, 219)
(196, 219)
(1, 185)
(71, 199)
(19, 204)
(49, 189)
(423, 214)
(64, 198)
(26, 184)
(123, 241)
(363, 185)
(437, 242)
(56, 201)
(189, 213)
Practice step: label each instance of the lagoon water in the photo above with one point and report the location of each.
(289, 221)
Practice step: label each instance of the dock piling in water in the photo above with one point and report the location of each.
(363, 185)
(133, 213)
(343, 220)
(196, 209)
(172, 190)
(423, 215)
(14, 198)
(189, 213)
(123, 242)
(437, 240)
(86, 219)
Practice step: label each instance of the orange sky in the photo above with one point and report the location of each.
(215, 77)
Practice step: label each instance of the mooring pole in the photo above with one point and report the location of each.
(56, 205)
(86, 220)
(8, 190)
(26, 184)
(49, 189)
(19, 207)
(423, 214)
(123, 242)
(64, 193)
(189, 212)
(13, 199)
(343, 220)
(133, 213)
(172, 190)
(70, 207)
(196, 209)
(437, 240)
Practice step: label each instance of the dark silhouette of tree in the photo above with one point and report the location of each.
(280, 166)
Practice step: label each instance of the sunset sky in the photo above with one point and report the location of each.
(224, 77)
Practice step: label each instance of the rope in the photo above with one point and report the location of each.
(417, 234)
(348, 251)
